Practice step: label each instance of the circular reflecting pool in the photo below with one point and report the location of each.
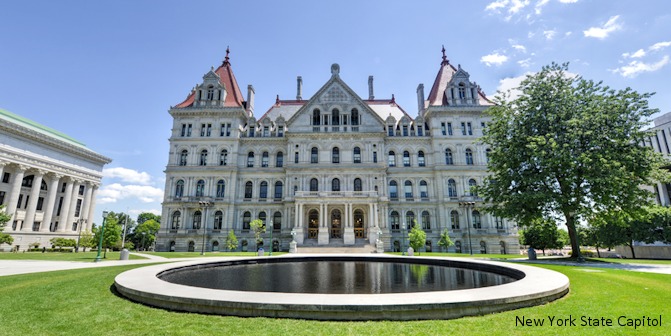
(335, 277)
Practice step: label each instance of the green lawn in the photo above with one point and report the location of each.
(81, 302)
(61, 256)
(207, 254)
(631, 261)
(465, 255)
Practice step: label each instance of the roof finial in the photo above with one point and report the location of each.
(445, 61)
(393, 99)
(277, 100)
(228, 51)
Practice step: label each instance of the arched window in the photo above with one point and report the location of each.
(448, 157)
(277, 221)
(488, 152)
(316, 116)
(278, 190)
(407, 189)
(179, 188)
(183, 156)
(250, 159)
(426, 221)
(483, 247)
(314, 155)
(246, 219)
(420, 159)
(218, 220)
(406, 159)
(471, 187)
(200, 188)
(457, 246)
(314, 185)
(477, 221)
(357, 155)
(451, 188)
(335, 155)
(469, 156)
(357, 184)
(176, 219)
(264, 160)
(335, 117)
(262, 217)
(223, 157)
(335, 184)
(392, 159)
(203, 157)
(192, 246)
(221, 188)
(263, 190)
(215, 246)
(197, 217)
(248, 189)
(454, 218)
(503, 247)
(394, 219)
(393, 190)
(409, 219)
(355, 117)
(423, 190)
(279, 159)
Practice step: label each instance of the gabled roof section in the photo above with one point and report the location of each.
(385, 108)
(445, 75)
(283, 108)
(234, 96)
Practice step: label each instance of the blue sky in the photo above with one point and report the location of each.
(106, 72)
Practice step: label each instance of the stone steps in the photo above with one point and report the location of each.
(336, 249)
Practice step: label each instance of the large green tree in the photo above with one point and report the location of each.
(4, 218)
(112, 233)
(145, 233)
(543, 235)
(567, 147)
(416, 237)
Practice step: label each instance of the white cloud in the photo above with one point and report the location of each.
(549, 34)
(127, 175)
(568, 1)
(497, 5)
(634, 68)
(525, 63)
(538, 9)
(638, 54)
(602, 32)
(115, 192)
(520, 47)
(136, 212)
(567, 34)
(512, 83)
(660, 45)
(494, 59)
(511, 7)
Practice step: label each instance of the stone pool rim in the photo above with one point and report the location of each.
(537, 286)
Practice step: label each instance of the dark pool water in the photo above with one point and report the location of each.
(335, 277)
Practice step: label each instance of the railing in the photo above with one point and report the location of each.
(336, 194)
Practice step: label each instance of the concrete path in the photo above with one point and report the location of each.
(663, 269)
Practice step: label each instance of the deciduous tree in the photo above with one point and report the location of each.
(445, 240)
(4, 218)
(416, 237)
(566, 148)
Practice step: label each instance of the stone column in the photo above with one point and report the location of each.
(29, 220)
(52, 191)
(65, 207)
(15, 191)
(92, 207)
(2, 170)
(348, 235)
(323, 235)
(86, 206)
(73, 205)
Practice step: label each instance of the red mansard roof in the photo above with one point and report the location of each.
(227, 78)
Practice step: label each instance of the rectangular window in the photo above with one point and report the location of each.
(202, 130)
(420, 131)
(183, 130)
(443, 129)
(5, 178)
(374, 157)
(469, 128)
(405, 130)
(60, 205)
(188, 130)
(208, 132)
(280, 131)
(390, 130)
(222, 130)
(295, 157)
(484, 128)
(228, 130)
(449, 128)
(63, 187)
(2, 197)
(266, 131)
(40, 201)
(78, 208)
(18, 204)
(463, 128)
(81, 190)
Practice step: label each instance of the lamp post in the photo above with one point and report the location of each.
(271, 240)
(79, 233)
(204, 205)
(468, 206)
(142, 241)
(102, 233)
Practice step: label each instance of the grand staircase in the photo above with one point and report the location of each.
(336, 246)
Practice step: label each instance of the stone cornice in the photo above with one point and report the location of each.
(51, 166)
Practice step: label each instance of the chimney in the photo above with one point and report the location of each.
(371, 96)
(299, 88)
(250, 99)
(420, 98)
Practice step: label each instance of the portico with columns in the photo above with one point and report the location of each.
(48, 183)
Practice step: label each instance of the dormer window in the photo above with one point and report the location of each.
(210, 92)
(315, 117)
(355, 117)
(462, 91)
(335, 117)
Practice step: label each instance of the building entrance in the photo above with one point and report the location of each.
(336, 224)
(313, 224)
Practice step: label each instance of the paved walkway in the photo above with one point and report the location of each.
(12, 267)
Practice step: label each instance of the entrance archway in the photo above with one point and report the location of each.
(336, 224)
(313, 224)
(359, 231)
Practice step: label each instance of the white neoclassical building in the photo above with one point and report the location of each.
(48, 182)
(336, 169)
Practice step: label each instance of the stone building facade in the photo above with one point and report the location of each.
(48, 182)
(334, 169)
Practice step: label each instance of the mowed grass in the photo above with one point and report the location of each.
(632, 261)
(208, 254)
(82, 302)
(464, 255)
(88, 256)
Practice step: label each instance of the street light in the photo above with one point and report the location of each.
(142, 241)
(102, 233)
(204, 205)
(468, 206)
(79, 233)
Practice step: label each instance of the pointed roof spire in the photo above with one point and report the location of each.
(277, 100)
(445, 61)
(393, 99)
(228, 51)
